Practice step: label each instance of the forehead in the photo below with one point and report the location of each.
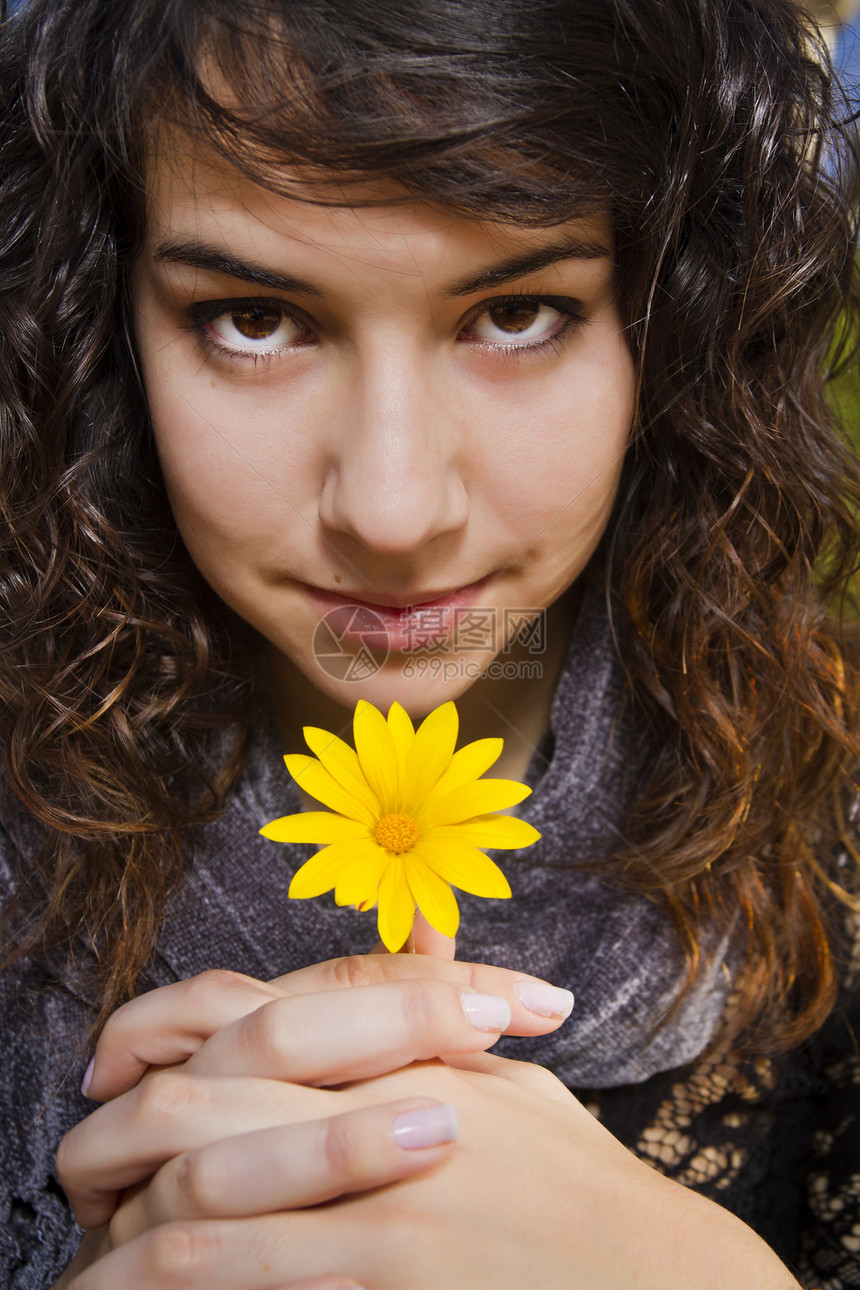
(195, 197)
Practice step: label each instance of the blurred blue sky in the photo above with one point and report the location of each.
(846, 59)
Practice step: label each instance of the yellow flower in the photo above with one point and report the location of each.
(407, 817)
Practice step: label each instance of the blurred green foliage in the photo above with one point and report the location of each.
(844, 389)
(844, 393)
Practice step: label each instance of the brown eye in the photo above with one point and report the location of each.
(256, 328)
(514, 316)
(519, 322)
(256, 323)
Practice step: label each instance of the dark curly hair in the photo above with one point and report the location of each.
(710, 130)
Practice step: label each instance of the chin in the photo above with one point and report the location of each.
(419, 693)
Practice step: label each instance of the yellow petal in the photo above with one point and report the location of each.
(396, 906)
(314, 826)
(430, 754)
(342, 764)
(463, 866)
(403, 734)
(313, 777)
(433, 895)
(467, 764)
(359, 880)
(320, 873)
(478, 798)
(374, 744)
(500, 832)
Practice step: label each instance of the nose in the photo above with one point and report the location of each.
(394, 476)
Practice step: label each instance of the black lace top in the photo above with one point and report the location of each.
(776, 1141)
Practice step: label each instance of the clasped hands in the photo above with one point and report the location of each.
(344, 1126)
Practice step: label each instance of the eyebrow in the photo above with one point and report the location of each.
(517, 266)
(199, 255)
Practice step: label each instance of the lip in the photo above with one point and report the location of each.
(396, 620)
(396, 604)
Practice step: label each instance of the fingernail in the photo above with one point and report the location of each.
(486, 1011)
(88, 1076)
(545, 1000)
(426, 1127)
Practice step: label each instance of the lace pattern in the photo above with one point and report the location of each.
(774, 1140)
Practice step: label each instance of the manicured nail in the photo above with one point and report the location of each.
(487, 1011)
(426, 1127)
(545, 1000)
(88, 1076)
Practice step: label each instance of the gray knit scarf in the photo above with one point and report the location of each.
(616, 950)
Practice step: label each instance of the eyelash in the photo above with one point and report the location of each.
(571, 320)
(202, 315)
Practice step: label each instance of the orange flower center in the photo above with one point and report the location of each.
(397, 833)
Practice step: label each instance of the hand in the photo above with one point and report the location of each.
(266, 1034)
(170, 1024)
(534, 1192)
(570, 1174)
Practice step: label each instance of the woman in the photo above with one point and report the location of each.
(326, 309)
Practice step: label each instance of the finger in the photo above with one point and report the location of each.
(425, 940)
(168, 1025)
(537, 1008)
(305, 1040)
(428, 941)
(295, 1165)
(273, 1252)
(344, 1035)
(168, 1113)
(323, 1283)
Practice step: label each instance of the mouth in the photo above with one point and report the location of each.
(398, 623)
(411, 602)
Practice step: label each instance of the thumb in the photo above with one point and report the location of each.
(425, 940)
(429, 941)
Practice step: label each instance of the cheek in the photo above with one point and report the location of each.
(234, 478)
(590, 457)
(214, 491)
(557, 458)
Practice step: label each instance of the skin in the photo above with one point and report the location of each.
(237, 1155)
(391, 443)
(398, 441)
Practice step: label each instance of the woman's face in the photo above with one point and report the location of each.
(363, 409)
